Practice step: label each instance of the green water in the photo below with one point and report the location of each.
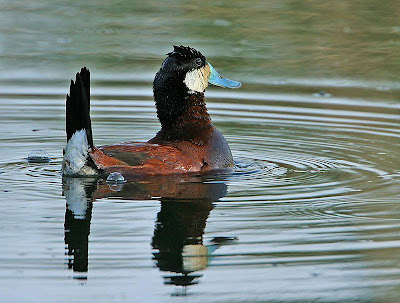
(311, 212)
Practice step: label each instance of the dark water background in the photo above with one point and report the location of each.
(310, 214)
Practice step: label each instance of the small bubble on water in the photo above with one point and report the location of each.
(38, 156)
(115, 177)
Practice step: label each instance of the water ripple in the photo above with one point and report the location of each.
(315, 185)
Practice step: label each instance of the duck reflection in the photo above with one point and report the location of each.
(178, 239)
(186, 203)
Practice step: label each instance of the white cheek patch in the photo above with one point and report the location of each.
(197, 80)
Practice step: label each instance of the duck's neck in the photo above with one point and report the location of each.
(183, 117)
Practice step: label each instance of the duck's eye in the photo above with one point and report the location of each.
(198, 62)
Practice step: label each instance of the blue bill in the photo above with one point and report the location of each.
(218, 80)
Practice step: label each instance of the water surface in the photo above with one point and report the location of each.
(311, 211)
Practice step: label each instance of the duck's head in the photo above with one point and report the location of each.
(185, 68)
(179, 92)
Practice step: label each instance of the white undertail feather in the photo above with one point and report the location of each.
(75, 156)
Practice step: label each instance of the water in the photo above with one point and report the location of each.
(311, 211)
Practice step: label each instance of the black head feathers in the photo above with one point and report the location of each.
(186, 52)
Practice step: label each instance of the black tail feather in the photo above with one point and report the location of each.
(78, 106)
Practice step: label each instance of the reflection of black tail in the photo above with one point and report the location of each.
(78, 106)
(78, 214)
(77, 239)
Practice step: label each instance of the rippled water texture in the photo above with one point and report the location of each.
(311, 212)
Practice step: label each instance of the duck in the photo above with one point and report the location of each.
(187, 142)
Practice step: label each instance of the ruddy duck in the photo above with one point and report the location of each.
(187, 142)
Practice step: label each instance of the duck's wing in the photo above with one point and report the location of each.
(138, 159)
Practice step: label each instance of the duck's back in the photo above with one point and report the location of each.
(158, 157)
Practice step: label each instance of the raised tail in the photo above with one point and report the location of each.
(79, 128)
(78, 106)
